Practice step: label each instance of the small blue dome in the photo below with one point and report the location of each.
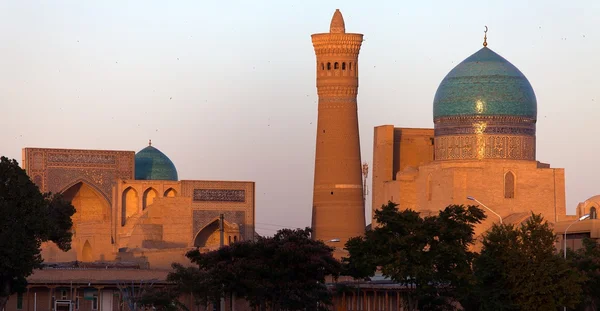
(485, 84)
(152, 164)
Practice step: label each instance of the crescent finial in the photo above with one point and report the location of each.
(485, 36)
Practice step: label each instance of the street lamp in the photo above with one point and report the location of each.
(489, 209)
(584, 217)
(334, 240)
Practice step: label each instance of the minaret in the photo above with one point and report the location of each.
(338, 205)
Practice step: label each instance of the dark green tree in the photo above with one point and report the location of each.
(519, 269)
(431, 255)
(27, 219)
(283, 272)
(587, 261)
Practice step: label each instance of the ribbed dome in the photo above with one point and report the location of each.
(152, 164)
(485, 84)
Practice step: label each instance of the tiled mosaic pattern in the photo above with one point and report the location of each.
(152, 164)
(485, 84)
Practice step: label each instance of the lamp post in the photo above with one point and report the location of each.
(489, 209)
(584, 217)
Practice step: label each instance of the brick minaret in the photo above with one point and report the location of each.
(338, 205)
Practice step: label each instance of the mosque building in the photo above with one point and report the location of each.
(132, 206)
(482, 149)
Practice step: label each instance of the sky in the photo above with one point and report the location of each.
(227, 88)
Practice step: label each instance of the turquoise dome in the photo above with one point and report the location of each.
(152, 164)
(485, 84)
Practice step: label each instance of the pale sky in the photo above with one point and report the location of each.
(227, 88)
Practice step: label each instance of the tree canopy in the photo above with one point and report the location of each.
(429, 254)
(27, 218)
(586, 261)
(283, 272)
(519, 269)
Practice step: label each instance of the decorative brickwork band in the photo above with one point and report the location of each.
(483, 146)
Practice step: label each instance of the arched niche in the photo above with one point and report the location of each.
(149, 195)
(593, 213)
(129, 204)
(86, 252)
(509, 185)
(170, 193)
(90, 205)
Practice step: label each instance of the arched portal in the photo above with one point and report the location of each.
(210, 236)
(86, 252)
(149, 195)
(129, 204)
(90, 205)
(170, 193)
(593, 213)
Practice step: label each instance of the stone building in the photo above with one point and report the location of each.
(132, 207)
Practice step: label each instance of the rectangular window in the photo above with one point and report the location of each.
(20, 301)
(76, 303)
(63, 294)
(95, 302)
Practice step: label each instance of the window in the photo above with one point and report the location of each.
(593, 213)
(63, 294)
(509, 185)
(322, 66)
(20, 301)
(235, 238)
(328, 66)
(76, 303)
(95, 302)
(229, 239)
(336, 65)
(343, 66)
(350, 66)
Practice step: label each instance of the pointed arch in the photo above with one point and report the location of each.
(344, 66)
(149, 195)
(509, 185)
(336, 65)
(170, 193)
(88, 183)
(210, 236)
(207, 236)
(129, 204)
(90, 204)
(86, 252)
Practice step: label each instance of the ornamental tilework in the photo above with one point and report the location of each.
(56, 169)
(219, 195)
(471, 147)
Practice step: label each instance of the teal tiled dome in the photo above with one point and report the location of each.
(152, 164)
(485, 84)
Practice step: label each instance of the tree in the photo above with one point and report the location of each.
(430, 255)
(283, 272)
(27, 218)
(587, 261)
(519, 269)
